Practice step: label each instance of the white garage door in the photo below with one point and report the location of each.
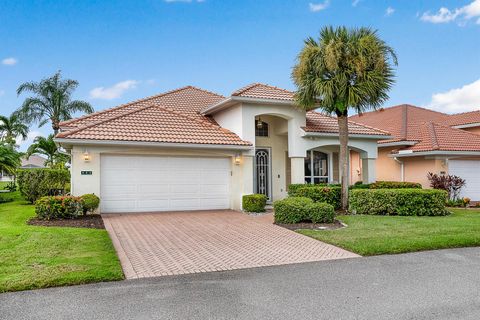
(144, 183)
(470, 171)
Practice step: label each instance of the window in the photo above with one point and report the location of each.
(261, 128)
(316, 167)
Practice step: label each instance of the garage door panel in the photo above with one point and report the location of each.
(154, 183)
(470, 171)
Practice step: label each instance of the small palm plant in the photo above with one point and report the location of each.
(47, 147)
(51, 101)
(12, 127)
(345, 69)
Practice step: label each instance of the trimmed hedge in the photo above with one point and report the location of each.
(291, 210)
(254, 202)
(387, 185)
(402, 202)
(302, 209)
(90, 203)
(36, 183)
(58, 207)
(331, 194)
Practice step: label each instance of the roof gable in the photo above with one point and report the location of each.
(263, 91)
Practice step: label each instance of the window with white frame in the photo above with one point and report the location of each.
(316, 167)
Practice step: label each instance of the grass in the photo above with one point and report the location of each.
(37, 257)
(374, 235)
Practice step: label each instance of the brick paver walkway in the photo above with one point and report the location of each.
(170, 243)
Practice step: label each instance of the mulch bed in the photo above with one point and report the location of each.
(314, 226)
(93, 221)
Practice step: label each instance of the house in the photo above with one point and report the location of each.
(34, 161)
(191, 149)
(425, 141)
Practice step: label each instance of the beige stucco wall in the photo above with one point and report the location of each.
(241, 177)
(278, 143)
(475, 130)
(355, 167)
(387, 168)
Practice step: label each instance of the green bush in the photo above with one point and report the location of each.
(36, 183)
(292, 209)
(321, 212)
(58, 207)
(254, 202)
(395, 185)
(90, 203)
(330, 194)
(403, 202)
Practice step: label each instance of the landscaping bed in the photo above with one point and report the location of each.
(313, 226)
(93, 221)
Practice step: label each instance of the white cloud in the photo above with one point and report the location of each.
(445, 15)
(114, 91)
(316, 7)
(9, 61)
(466, 98)
(24, 144)
(355, 2)
(389, 11)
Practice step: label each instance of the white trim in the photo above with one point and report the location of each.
(351, 135)
(468, 125)
(235, 99)
(402, 170)
(397, 143)
(432, 153)
(150, 144)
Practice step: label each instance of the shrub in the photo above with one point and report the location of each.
(403, 202)
(58, 207)
(395, 185)
(292, 209)
(462, 202)
(320, 212)
(90, 203)
(319, 193)
(11, 186)
(450, 183)
(254, 202)
(36, 183)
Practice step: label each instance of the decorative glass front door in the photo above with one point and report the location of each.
(262, 172)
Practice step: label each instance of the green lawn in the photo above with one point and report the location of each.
(373, 235)
(37, 257)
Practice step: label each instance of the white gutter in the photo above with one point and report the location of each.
(397, 143)
(432, 153)
(150, 144)
(402, 172)
(469, 125)
(234, 99)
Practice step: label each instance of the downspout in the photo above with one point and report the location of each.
(402, 173)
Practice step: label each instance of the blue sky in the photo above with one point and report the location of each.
(125, 50)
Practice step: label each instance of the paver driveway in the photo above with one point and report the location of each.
(169, 243)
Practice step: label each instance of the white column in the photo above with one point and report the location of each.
(297, 167)
(247, 175)
(369, 174)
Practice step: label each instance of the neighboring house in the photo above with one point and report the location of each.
(191, 149)
(34, 161)
(427, 141)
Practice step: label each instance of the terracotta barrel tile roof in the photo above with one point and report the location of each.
(318, 122)
(264, 91)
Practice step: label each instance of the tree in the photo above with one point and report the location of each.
(345, 69)
(11, 128)
(48, 148)
(9, 158)
(51, 101)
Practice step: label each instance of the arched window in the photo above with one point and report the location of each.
(316, 167)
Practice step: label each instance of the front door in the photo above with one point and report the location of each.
(262, 172)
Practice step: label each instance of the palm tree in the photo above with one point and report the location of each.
(47, 147)
(11, 128)
(346, 69)
(9, 159)
(51, 101)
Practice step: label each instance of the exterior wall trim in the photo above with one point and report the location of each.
(434, 153)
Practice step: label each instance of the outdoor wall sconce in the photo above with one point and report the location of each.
(86, 156)
(237, 159)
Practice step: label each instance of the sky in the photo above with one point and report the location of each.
(125, 50)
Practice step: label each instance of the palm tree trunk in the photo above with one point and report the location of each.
(343, 137)
(55, 127)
